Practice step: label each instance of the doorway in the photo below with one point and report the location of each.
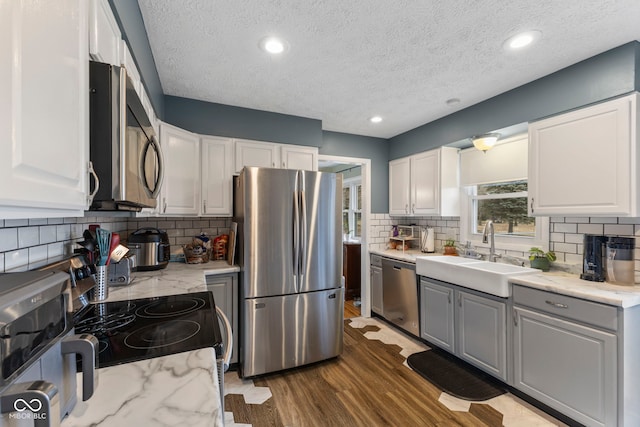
(356, 196)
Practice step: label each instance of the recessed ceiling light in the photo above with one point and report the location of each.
(273, 45)
(522, 40)
(375, 119)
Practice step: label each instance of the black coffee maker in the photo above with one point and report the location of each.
(593, 260)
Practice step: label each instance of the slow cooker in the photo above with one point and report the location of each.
(151, 247)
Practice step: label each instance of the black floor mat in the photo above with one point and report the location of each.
(454, 376)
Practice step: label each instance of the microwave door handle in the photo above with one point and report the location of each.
(152, 142)
(86, 346)
(123, 133)
(39, 397)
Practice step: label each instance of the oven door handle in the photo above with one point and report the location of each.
(39, 397)
(85, 345)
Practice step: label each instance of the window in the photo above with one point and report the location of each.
(352, 208)
(505, 204)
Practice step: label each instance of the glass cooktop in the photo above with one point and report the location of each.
(144, 328)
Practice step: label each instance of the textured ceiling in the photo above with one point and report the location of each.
(351, 59)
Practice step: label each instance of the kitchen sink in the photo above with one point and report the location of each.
(489, 277)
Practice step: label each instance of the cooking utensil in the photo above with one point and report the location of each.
(104, 244)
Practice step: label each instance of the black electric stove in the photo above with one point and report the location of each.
(144, 328)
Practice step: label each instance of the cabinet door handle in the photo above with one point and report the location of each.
(449, 297)
(515, 318)
(557, 304)
(204, 206)
(413, 208)
(459, 300)
(406, 208)
(283, 165)
(532, 205)
(92, 172)
(164, 203)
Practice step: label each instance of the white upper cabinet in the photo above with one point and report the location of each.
(399, 186)
(104, 33)
(216, 176)
(255, 153)
(126, 60)
(181, 185)
(44, 115)
(584, 162)
(299, 157)
(425, 184)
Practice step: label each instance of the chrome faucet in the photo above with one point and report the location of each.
(488, 231)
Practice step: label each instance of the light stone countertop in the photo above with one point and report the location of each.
(408, 255)
(557, 282)
(572, 285)
(178, 389)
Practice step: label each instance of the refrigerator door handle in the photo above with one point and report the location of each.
(303, 235)
(296, 241)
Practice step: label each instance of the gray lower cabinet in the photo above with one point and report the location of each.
(469, 324)
(376, 290)
(565, 357)
(436, 314)
(225, 292)
(482, 332)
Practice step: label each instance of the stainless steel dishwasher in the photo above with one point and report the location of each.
(400, 294)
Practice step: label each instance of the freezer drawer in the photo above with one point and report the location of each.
(292, 330)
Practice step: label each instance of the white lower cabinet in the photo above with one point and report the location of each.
(566, 362)
(469, 324)
(225, 293)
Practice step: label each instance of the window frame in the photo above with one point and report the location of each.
(503, 242)
(352, 184)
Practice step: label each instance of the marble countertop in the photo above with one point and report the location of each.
(408, 255)
(178, 389)
(572, 285)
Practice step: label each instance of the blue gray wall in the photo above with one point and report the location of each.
(613, 73)
(376, 149)
(236, 122)
(129, 17)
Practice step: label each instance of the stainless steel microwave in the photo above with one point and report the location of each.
(124, 150)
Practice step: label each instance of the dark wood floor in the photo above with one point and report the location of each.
(365, 386)
(351, 310)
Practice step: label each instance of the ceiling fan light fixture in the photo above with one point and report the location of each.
(486, 141)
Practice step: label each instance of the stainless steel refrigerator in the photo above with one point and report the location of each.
(290, 257)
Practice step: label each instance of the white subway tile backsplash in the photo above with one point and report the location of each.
(556, 237)
(16, 222)
(55, 249)
(574, 238)
(16, 259)
(55, 221)
(571, 248)
(28, 236)
(1, 262)
(37, 253)
(8, 239)
(591, 229)
(604, 220)
(37, 221)
(623, 220)
(48, 234)
(573, 258)
(619, 229)
(565, 228)
(63, 232)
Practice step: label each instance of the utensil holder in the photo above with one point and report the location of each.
(101, 290)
